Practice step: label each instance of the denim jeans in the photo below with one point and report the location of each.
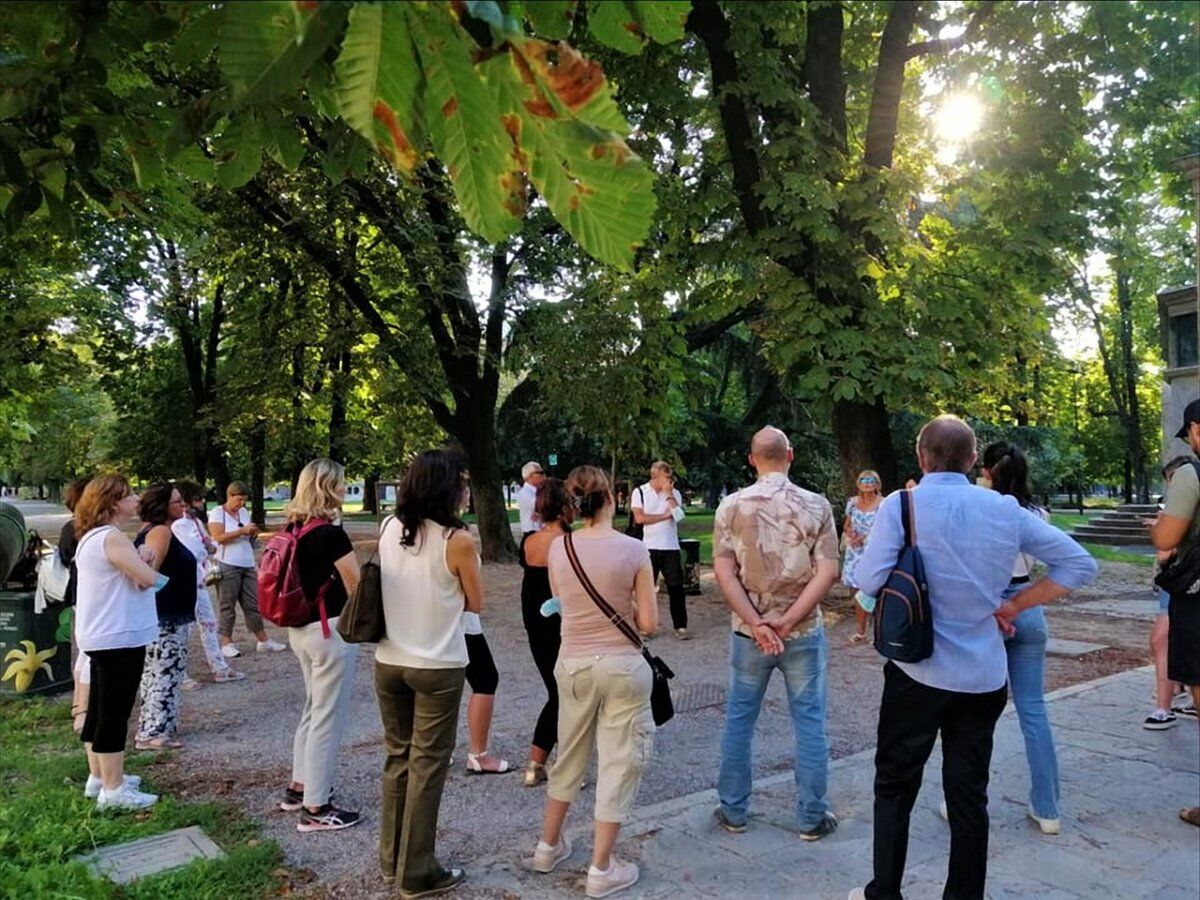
(803, 664)
(1026, 678)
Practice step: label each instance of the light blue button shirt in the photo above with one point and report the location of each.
(969, 538)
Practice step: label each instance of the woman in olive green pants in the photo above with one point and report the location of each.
(430, 576)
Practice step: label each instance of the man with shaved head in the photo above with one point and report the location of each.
(969, 539)
(775, 555)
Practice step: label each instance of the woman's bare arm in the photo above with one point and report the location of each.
(124, 556)
(645, 609)
(158, 539)
(464, 565)
(347, 567)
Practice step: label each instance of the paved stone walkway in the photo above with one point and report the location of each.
(1122, 787)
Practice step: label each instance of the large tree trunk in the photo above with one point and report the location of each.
(258, 453)
(1137, 478)
(340, 382)
(371, 492)
(478, 438)
(864, 441)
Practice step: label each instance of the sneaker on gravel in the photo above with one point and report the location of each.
(91, 790)
(227, 676)
(327, 818)
(191, 684)
(229, 651)
(269, 646)
(125, 797)
(545, 857)
(619, 876)
(1185, 709)
(448, 882)
(1159, 720)
(1048, 826)
(682, 634)
(292, 800)
(727, 823)
(827, 826)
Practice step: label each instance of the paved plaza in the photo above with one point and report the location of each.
(1122, 787)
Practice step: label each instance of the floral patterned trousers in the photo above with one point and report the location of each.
(162, 682)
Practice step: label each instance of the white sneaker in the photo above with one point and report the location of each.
(91, 790)
(545, 857)
(1048, 826)
(125, 797)
(619, 876)
(269, 646)
(229, 651)
(191, 684)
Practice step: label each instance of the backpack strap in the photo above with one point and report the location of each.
(308, 526)
(908, 519)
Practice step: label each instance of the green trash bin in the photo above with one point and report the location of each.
(690, 548)
(35, 648)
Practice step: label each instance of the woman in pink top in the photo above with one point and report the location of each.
(603, 683)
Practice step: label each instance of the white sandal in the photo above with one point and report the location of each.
(475, 765)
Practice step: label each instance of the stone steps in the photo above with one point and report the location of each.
(1121, 527)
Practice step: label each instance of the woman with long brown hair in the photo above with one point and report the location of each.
(115, 619)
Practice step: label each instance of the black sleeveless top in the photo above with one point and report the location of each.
(535, 585)
(176, 602)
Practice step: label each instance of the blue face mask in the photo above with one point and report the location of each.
(551, 607)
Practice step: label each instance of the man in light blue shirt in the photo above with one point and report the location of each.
(969, 539)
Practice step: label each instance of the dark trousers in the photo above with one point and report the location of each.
(419, 708)
(910, 718)
(545, 638)
(670, 563)
(116, 675)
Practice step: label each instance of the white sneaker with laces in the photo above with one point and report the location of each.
(229, 651)
(619, 876)
(125, 797)
(269, 646)
(91, 790)
(545, 857)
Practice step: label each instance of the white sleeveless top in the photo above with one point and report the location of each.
(112, 612)
(422, 601)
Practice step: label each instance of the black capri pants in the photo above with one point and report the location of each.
(116, 675)
(481, 668)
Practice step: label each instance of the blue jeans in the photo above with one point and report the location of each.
(803, 664)
(1026, 677)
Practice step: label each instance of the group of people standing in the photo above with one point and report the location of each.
(775, 558)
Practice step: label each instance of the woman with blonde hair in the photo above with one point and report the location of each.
(603, 682)
(329, 573)
(856, 528)
(115, 619)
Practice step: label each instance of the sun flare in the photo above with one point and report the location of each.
(958, 118)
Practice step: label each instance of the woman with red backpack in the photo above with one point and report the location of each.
(328, 573)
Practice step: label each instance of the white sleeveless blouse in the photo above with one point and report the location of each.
(112, 612)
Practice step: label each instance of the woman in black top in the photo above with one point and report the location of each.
(67, 545)
(554, 509)
(166, 658)
(328, 570)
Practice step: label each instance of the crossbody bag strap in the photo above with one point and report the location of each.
(613, 616)
(907, 517)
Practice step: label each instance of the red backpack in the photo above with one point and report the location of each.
(281, 597)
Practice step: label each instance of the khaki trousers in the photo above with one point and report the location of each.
(419, 708)
(603, 701)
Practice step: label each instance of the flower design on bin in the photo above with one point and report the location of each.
(28, 662)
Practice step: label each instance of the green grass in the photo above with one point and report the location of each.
(45, 820)
(699, 525)
(1112, 554)
(1067, 521)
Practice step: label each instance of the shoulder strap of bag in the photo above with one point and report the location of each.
(907, 517)
(613, 616)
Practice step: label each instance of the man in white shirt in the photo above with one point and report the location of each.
(658, 507)
(533, 476)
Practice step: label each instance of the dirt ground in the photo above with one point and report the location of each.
(238, 736)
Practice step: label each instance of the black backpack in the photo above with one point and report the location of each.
(903, 615)
(632, 528)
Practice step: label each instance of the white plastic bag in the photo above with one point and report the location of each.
(52, 581)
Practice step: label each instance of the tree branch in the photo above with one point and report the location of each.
(942, 46)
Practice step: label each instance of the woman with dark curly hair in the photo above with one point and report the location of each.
(166, 658)
(556, 512)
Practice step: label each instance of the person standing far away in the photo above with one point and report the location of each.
(658, 508)
(860, 516)
(969, 540)
(1177, 528)
(533, 475)
(67, 544)
(775, 556)
(237, 585)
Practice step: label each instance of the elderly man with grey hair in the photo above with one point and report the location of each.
(969, 539)
(533, 475)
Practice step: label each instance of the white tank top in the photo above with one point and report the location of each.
(111, 611)
(422, 601)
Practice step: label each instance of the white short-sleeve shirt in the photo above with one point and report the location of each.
(662, 535)
(241, 551)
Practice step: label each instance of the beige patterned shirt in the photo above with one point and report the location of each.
(774, 531)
